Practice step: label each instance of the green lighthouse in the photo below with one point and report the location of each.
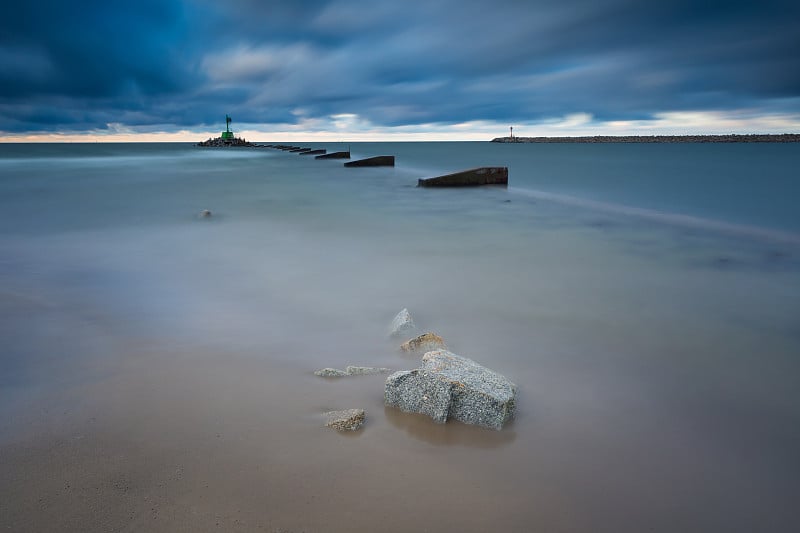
(227, 135)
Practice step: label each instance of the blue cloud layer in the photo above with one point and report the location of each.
(182, 64)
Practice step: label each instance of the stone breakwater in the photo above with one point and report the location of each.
(218, 142)
(752, 138)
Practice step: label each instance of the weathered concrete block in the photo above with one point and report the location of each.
(330, 373)
(366, 370)
(334, 155)
(424, 343)
(346, 420)
(469, 178)
(401, 323)
(450, 386)
(351, 371)
(377, 161)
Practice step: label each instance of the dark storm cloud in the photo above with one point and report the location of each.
(65, 66)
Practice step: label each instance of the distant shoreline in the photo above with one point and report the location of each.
(750, 138)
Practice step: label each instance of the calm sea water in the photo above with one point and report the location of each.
(645, 299)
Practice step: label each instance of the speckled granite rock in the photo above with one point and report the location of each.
(366, 370)
(346, 420)
(330, 373)
(351, 371)
(401, 323)
(424, 343)
(450, 386)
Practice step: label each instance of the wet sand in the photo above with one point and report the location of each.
(156, 435)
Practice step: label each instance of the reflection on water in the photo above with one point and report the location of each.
(453, 433)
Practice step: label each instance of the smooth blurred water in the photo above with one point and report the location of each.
(645, 298)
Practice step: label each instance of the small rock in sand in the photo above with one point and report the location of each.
(346, 420)
(424, 343)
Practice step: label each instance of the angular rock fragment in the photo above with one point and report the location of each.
(346, 420)
(401, 323)
(330, 373)
(366, 370)
(351, 371)
(424, 343)
(450, 386)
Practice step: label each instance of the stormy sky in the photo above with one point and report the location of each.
(437, 67)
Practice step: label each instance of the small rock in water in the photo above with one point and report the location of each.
(330, 373)
(366, 370)
(347, 420)
(402, 322)
(424, 343)
(205, 213)
(450, 386)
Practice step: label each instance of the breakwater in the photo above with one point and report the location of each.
(751, 138)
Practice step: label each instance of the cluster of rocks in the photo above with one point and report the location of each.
(445, 386)
(219, 142)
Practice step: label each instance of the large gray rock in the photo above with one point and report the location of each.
(450, 386)
(401, 323)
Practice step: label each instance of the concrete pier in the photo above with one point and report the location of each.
(377, 161)
(469, 178)
(313, 152)
(301, 150)
(334, 155)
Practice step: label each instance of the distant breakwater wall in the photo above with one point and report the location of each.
(753, 138)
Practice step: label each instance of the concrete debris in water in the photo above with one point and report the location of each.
(401, 323)
(330, 373)
(346, 420)
(450, 386)
(366, 370)
(469, 178)
(424, 343)
(351, 371)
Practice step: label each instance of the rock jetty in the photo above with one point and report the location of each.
(345, 420)
(733, 138)
(450, 386)
(219, 142)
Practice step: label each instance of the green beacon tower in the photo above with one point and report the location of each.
(227, 135)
